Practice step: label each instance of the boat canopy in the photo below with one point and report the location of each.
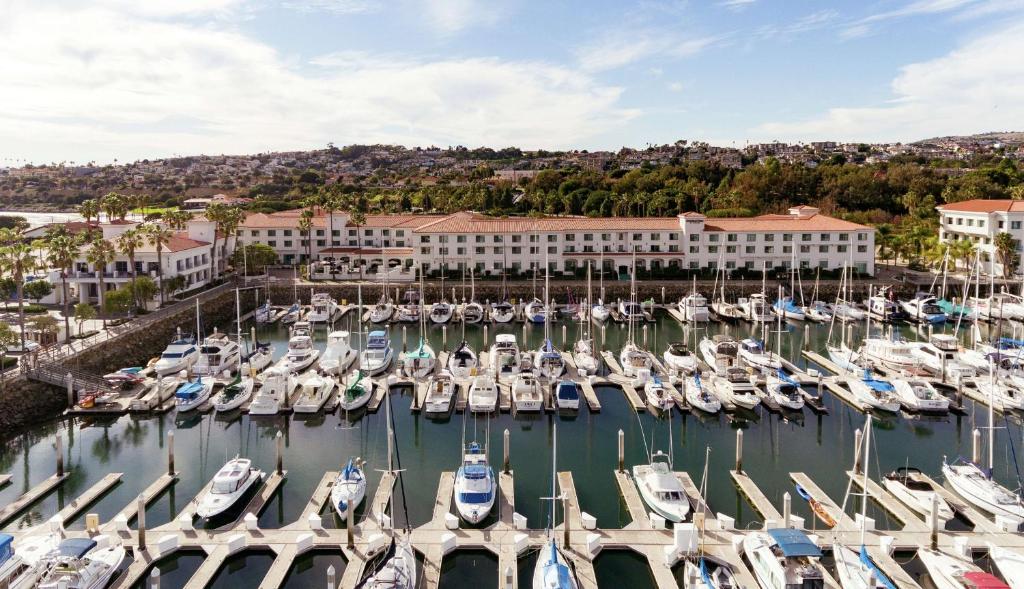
(567, 390)
(881, 386)
(475, 471)
(786, 378)
(351, 473)
(377, 339)
(189, 390)
(6, 547)
(794, 542)
(979, 580)
(76, 547)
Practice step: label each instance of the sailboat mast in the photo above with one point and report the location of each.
(238, 323)
(554, 475)
(547, 301)
(864, 484)
(387, 418)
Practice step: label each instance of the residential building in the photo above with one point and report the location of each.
(979, 221)
(488, 244)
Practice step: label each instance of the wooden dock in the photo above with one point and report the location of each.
(812, 488)
(890, 503)
(754, 495)
(634, 504)
(88, 497)
(4, 480)
(154, 490)
(15, 507)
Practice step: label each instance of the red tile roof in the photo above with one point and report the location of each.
(369, 251)
(177, 243)
(985, 206)
(783, 223)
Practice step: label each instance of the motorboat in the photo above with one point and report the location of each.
(982, 491)
(355, 390)
(472, 312)
(397, 570)
(301, 353)
(483, 394)
(954, 572)
(527, 394)
(783, 558)
(339, 355)
(1002, 395)
(504, 357)
(382, 311)
(708, 572)
(229, 485)
(324, 308)
(548, 361)
(440, 392)
(818, 312)
(755, 308)
(873, 392)
(719, 351)
(892, 352)
(462, 363)
(753, 353)
(733, 385)
(917, 394)
(278, 385)
(1001, 305)
(906, 485)
(958, 312)
(847, 359)
(19, 567)
(502, 312)
(784, 391)
(260, 358)
(679, 358)
(191, 394)
(881, 307)
(661, 489)
(567, 395)
(940, 355)
(694, 308)
(181, 354)
(235, 394)
(1010, 564)
(420, 361)
(636, 363)
(82, 563)
(631, 311)
(475, 486)
(377, 356)
(584, 358)
(698, 397)
(441, 312)
(314, 391)
(535, 311)
(292, 314)
(600, 312)
(787, 308)
(217, 354)
(349, 486)
(923, 308)
(657, 395)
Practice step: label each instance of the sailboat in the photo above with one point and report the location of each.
(953, 572)
(355, 390)
(698, 397)
(472, 312)
(722, 309)
(547, 360)
(583, 353)
(385, 308)
(442, 311)
(707, 572)
(502, 311)
(349, 485)
(599, 312)
(462, 363)
(635, 361)
(420, 362)
(856, 569)
(552, 570)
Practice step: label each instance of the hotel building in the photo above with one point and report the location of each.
(979, 221)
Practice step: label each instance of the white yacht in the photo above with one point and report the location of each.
(915, 493)
(882, 308)
(527, 394)
(260, 358)
(941, 353)
(235, 394)
(548, 361)
(1010, 564)
(350, 485)
(657, 395)
(19, 568)
(355, 390)
(784, 391)
(720, 351)
(818, 312)
(82, 563)
(472, 312)
(462, 363)
(698, 396)
(636, 362)
(440, 392)
(475, 486)
(567, 395)
(584, 357)
(191, 394)
(600, 312)
(278, 384)
(981, 490)
(784, 558)
(847, 312)
(382, 311)
(377, 356)
(753, 353)
(1001, 305)
(339, 355)
(180, 354)
(923, 308)
(847, 359)
(953, 572)
(708, 573)
(694, 308)
(217, 354)
(1002, 395)
(301, 353)
(441, 312)
(504, 357)
(679, 358)
(324, 308)
(483, 394)
(787, 308)
(874, 393)
(631, 311)
(917, 394)
(755, 308)
(314, 391)
(502, 312)
(733, 385)
(661, 489)
(894, 353)
(229, 485)
(420, 361)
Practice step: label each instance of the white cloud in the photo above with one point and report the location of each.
(809, 22)
(676, 86)
(622, 47)
(977, 87)
(452, 16)
(736, 4)
(334, 6)
(73, 90)
(863, 26)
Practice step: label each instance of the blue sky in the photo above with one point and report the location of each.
(122, 79)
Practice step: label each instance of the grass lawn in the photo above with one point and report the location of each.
(150, 210)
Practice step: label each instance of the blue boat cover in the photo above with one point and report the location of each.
(377, 339)
(548, 348)
(785, 377)
(787, 304)
(564, 581)
(189, 390)
(76, 547)
(567, 390)
(864, 558)
(696, 379)
(794, 542)
(881, 386)
(351, 473)
(1006, 343)
(6, 547)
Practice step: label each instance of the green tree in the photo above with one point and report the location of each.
(177, 220)
(64, 249)
(100, 254)
(306, 231)
(37, 290)
(1006, 253)
(145, 289)
(128, 243)
(84, 312)
(45, 324)
(7, 339)
(120, 301)
(18, 260)
(158, 235)
(257, 257)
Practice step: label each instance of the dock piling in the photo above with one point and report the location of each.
(856, 450)
(444, 337)
(524, 333)
(976, 446)
(154, 578)
(933, 520)
(739, 451)
(60, 455)
(645, 335)
(140, 516)
(819, 386)
(405, 334)
(170, 453)
(565, 521)
(332, 575)
(486, 339)
(565, 337)
(622, 451)
(70, 381)
(506, 453)
(508, 577)
(350, 534)
(279, 439)
(787, 508)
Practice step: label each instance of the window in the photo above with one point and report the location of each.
(769, 237)
(712, 249)
(787, 249)
(399, 232)
(351, 233)
(533, 250)
(287, 232)
(841, 248)
(570, 249)
(730, 249)
(959, 221)
(552, 249)
(749, 249)
(862, 249)
(751, 237)
(844, 237)
(655, 248)
(272, 243)
(443, 238)
(673, 248)
(271, 232)
(1014, 224)
(713, 237)
(460, 251)
(533, 238)
(825, 236)
(460, 239)
(288, 243)
(970, 222)
(480, 238)
(655, 237)
(823, 249)
(694, 249)
(981, 222)
(517, 238)
(694, 265)
(638, 236)
(805, 249)
(805, 237)
(425, 251)
(673, 236)
(552, 238)
(730, 265)
(444, 251)
(570, 237)
(862, 237)
(606, 237)
(516, 250)
(321, 242)
(424, 239)
(730, 237)
(588, 237)
(769, 249)
(695, 237)
(1002, 224)
(254, 233)
(787, 237)
(480, 251)
(498, 239)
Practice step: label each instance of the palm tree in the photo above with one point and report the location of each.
(177, 220)
(159, 236)
(962, 250)
(329, 203)
(112, 204)
(64, 249)
(217, 213)
(306, 230)
(19, 260)
(129, 242)
(1006, 252)
(232, 219)
(89, 209)
(100, 254)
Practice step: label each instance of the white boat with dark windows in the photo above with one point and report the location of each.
(918, 395)
(324, 308)
(339, 355)
(923, 308)
(527, 394)
(631, 311)
(349, 487)
(82, 563)
(906, 484)
(260, 358)
(440, 392)
(483, 394)
(472, 312)
(355, 390)
(708, 572)
(657, 395)
(784, 390)
(679, 358)
(463, 362)
(660, 488)
(505, 357)
(301, 353)
(567, 395)
(720, 351)
(475, 485)
(377, 356)
(315, 390)
(19, 568)
(784, 558)
(733, 385)
(694, 308)
(181, 354)
(278, 384)
(228, 486)
(892, 352)
(755, 308)
(753, 353)
(941, 354)
(217, 354)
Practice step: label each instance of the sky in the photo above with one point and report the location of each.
(122, 80)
